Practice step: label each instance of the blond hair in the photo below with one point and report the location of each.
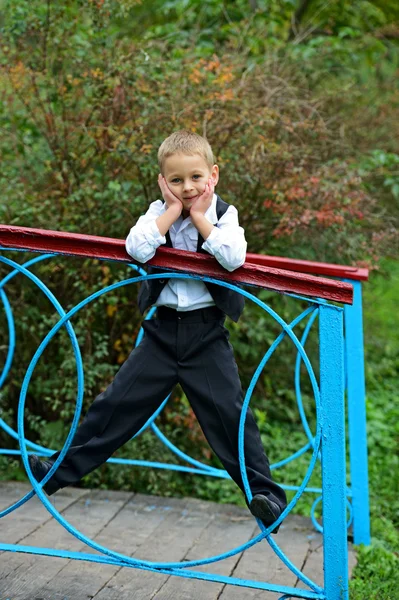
(185, 142)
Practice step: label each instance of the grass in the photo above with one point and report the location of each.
(376, 576)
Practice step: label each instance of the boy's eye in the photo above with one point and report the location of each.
(177, 179)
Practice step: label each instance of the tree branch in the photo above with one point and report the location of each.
(45, 36)
(297, 17)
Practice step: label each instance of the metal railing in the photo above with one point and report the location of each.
(327, 443)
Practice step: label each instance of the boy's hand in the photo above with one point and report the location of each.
(199, 208)
(203, 202)
(170, 199)
(174, 207)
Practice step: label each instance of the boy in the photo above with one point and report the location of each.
(186, 343)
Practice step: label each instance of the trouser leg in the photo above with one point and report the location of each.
(140, 386)
(209, 377)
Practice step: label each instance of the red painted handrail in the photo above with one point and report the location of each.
(307, 266)
(76, 244)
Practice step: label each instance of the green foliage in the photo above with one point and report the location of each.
(79, 147)
(376, 573)
(378, 565)
(380, 168)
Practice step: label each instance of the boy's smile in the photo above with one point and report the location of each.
(187, 176)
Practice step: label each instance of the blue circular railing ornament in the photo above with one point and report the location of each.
(317, 525)
(116, 558)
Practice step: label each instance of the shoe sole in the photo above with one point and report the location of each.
(261, 510)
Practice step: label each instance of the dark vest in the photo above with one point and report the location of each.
(230, 302)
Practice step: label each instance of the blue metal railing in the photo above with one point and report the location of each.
(328, 441)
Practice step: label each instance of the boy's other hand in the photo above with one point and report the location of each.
(170, 199)
(203, 202)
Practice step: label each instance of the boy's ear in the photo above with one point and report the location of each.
(215, 174)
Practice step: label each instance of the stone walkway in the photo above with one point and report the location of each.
(147, 527)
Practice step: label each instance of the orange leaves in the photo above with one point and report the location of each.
(97, 73)
(213, 74)
(224, 96)
(18, 75)
(73, 81)
(98, 3)
(111, 310)
(203, 67)
(146, 148)
(123, 346)
(196, 76)
(193, 126)
(300, 202)
(328, 217)
(209, 114)
(18, 68)
(106, 271)
(94, 73)
(304, 218)
(225, 76)
(182, 416)
(213, 65)
(142, 85)
(295, 193)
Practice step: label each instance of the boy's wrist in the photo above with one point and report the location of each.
(202, 224)
(165, 220)
(196, 217)
(175, 208)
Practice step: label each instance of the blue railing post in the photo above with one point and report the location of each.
(357, 416)
(333, 452)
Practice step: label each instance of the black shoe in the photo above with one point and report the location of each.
(266, 510)
(40, 468)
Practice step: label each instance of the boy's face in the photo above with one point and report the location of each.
(187, 176)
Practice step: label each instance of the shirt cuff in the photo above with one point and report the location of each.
(153, 236)
(213, 241)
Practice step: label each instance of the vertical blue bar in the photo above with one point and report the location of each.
(332, 415)
(357, 416)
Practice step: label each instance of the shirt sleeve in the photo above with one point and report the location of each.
(144, 237)
(227, 242)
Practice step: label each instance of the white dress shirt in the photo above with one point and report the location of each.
(226, 243)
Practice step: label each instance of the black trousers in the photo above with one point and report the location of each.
(187, 348)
